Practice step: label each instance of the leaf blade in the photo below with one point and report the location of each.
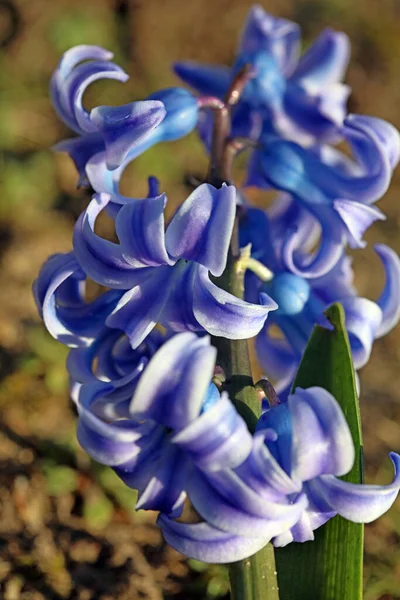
(330, 567)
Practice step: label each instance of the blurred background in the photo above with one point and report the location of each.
(67, 527)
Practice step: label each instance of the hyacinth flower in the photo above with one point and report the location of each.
(302, 302)
(175, 436)
(110, 135)
(337, 191)
(301, 98)
(165, 275)
(299, 449)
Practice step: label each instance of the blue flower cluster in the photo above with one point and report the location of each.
(141, 362)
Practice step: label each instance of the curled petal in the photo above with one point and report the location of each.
(327, 447)
(360, 503)
(363, 318)
(389, 301)
(372, 142)
(217, 439)
(172, 389)
(59, 91)
(202, 227)
(280, 37)
(326, 60)
(100, 259)
(387, 135)
(206, 543)
(71, 80)
(311, 266)
(59, 295)
(243, 515)
(123, 127)
(224, 315)
(140, 229)
(113, 443)
(357, 218)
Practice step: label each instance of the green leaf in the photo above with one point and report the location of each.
(330, 567)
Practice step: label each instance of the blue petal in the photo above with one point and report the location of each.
(325, 258)
(363, 318)
(140, 229)
(222, 314)
(100, 259)
(59, 293)
(71, 79)
(280, 37)
(389, 299)
(182, 113)
(245, 511)
(202, 227)
(140, 309)
(217, 439)
(123, 127)
(357, 218)
(206, 543)
(321, 439)
(63, 97)
(325, 62)
(208, 80)
(172, 388)
(359, 503)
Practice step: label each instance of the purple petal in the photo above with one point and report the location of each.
(206, 543)
(389, 301)
(359, 503)
(201, 229)
(172, 388)
(123, 127)
(222, 314)
(321, 439)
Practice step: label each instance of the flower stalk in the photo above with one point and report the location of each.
(256, 576)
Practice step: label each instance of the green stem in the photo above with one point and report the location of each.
(254, 578)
